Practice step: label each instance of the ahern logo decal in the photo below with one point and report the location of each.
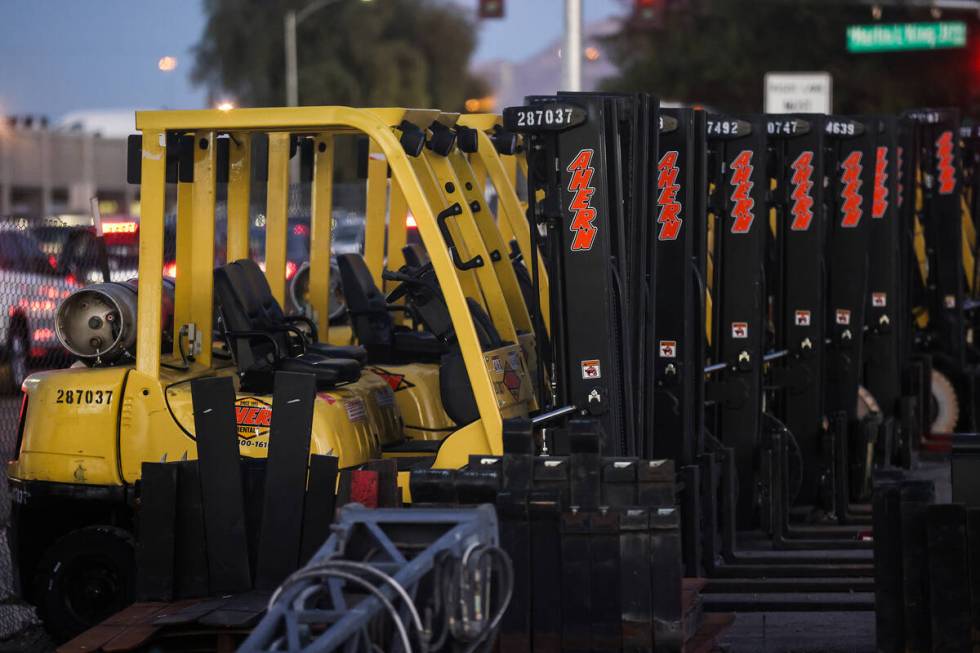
(253, 417)
(851, 192)
(880, 202)
(670, 209)
(742, 183)
(944, 163)
(900, 186)
(583, 214)
(802, 181)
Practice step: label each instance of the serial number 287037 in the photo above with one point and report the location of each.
(66, 396)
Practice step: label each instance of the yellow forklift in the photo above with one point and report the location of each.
(85, 431)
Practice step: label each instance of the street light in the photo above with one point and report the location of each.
(290, 21)
(167, 64)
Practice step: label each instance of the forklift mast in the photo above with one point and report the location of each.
(678, 334)
(937, 163)
(851, 169)
(886, 306)
(738, 192)
(797, 280)
(588, 156)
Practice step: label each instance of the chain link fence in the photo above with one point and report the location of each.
(42, 263)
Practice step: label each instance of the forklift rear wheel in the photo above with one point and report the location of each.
(85, 577)
(944, 409)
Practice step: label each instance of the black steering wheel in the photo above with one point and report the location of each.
(407, 278)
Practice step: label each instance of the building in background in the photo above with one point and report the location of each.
(540, 73)
(49, 170)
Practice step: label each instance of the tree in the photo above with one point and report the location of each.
(717, 54)
(382, 53)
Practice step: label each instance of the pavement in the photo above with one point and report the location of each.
(801, 632)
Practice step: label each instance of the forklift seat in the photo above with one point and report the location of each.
(385, 341)
(274, 315)
(261, 347)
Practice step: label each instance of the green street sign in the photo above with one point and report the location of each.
(906, 36)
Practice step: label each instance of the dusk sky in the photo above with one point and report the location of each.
(58, 56)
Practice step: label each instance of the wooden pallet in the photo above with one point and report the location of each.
(194, 624)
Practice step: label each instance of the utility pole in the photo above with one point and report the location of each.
(571, 51)
(289, 23)
(292, 81)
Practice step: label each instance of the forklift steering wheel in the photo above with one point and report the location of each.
(407, 280)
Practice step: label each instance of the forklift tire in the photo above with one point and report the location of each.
(83, 578)
(945, 408)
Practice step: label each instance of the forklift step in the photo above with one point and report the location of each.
(742, 571)
(790, 602)
(412, 447)
(788, 585)
(765, 555)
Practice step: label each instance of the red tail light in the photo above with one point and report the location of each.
(410, 222)
(119, 227)
(170, 270)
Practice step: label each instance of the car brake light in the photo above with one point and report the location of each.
(170, 270)
(119, 227)
(410, 222)
(290, 269)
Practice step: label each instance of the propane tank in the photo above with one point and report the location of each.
(98, 323)
(299, 291)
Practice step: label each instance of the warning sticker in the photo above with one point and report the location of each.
(668, 349)
(355, 409)
(385, 397)
(398, 382)
(591, 369)
(740, 329)
(498, 365)
(253, 417)
(843, 316)
(879, 299)
(512, 381)
(949, 301)
(802, 318)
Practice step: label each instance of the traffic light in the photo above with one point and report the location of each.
(647, 13)
(491, 9)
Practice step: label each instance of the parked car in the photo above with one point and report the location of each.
(31, 286)
(74, 248)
